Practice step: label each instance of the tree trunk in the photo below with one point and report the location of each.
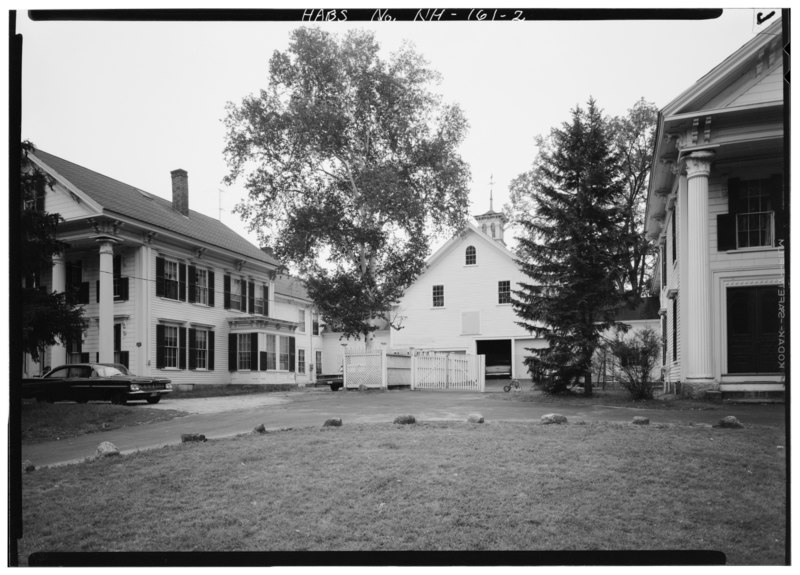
(587, 383)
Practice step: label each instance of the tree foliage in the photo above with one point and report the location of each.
(351, 166)
(47, 317)
(569, 248)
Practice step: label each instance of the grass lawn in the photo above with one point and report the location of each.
(49, 421)
(430, 486)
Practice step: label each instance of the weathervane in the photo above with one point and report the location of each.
(491, 192)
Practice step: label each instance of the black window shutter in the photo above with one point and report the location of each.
(776, 196)
(159, 346)
(192, 284)
(735, 199)
(291, 354)
(97, 290)
(68, 285)
(251, 298)
(210, 354)
(117, 266)
(231, 351)
(243, 298)
(123, 289)
(160, 277)
(192, 348)
(226, 286)
(182, 282)
(265, 292)
(211, 289)
(263, 357)
(254, 351)
(182, 348)
(124, 358)
(726, 232)
(117, 337)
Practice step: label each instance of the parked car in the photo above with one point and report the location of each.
(334, 380)
(498, 370)
(82, 382)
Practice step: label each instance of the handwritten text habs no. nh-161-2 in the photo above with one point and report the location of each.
(423, 15)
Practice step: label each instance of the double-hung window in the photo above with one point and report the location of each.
(201, 286)
(243, 360)
(503, 292)
(171, 279)
(200, 349)
(284, 353)
(236, 293)
(171, 346)
(470, 256)
(755, 214)
(271, 352)
(438, 296)
(301, 361)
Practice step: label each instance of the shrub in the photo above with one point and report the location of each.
(637, 357)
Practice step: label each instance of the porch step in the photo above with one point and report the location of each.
(752, 396)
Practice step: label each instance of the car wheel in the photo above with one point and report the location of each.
(119, 399)
(153, 400)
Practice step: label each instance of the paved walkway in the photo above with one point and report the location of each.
(228, 416)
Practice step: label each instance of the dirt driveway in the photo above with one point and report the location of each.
(228, 416)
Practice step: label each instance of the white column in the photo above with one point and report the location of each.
(699, 360)
(58, 353)
(106, 309)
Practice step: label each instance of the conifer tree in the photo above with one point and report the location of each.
(569, 248)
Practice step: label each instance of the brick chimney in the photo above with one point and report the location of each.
(180, 191)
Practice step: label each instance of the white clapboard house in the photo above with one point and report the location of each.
(716, 208)
(169, 291)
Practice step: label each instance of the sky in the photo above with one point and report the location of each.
(135, 101)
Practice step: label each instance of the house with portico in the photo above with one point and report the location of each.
(169, 291)
(715, 207)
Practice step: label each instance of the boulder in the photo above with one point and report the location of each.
(28, 466)
(332, 422)
(640, 420)
(260, 428)
(187, 437)
(553, 418)
(106, 449)
(475, 418)
(362, 387)
(730, 422)
(405, 419)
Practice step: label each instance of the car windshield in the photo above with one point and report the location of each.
(109, 371)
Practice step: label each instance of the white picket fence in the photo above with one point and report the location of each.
(419, 370)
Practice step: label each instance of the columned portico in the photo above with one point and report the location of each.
(699, 367)
(58, 352)
(105, 321)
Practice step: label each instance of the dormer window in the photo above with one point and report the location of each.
(471, 257)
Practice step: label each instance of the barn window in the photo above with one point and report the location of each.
(471, 257)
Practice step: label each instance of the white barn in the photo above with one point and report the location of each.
(461, 302)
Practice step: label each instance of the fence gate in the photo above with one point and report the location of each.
(364, 368)
(449, 371)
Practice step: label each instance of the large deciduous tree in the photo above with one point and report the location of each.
(351, 166)
(48, 317)
(634, 139)
(569, 247)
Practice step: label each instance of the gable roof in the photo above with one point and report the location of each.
(470, 227)
(116, 197)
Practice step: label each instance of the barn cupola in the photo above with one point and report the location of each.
(492, 223)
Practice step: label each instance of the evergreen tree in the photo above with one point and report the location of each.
(47, 316)
(569, 248)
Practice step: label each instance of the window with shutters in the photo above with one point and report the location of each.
(261, 300)
(754, 226)
(171, 279)
(120, 282)
(755, 212)
(301, 320)
(200, 349)
(236, 293)
(171, 346)
(243, 359)
(271, 352)
(201, 286)
(284, 363)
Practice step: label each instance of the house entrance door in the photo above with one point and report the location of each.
(753, 329)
